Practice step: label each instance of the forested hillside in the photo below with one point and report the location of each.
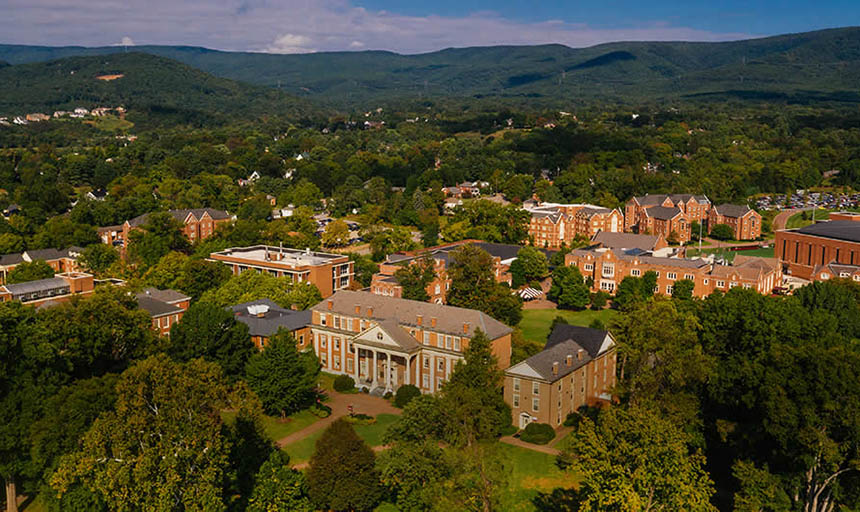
(803, 67)
(141, 83)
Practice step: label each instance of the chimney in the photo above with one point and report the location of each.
(465, 327)
(370, 312)
(420, 318)
(357, 309)
(555, 368)
(330, 305)
(579, 354)
(433, 321)
(569, 360)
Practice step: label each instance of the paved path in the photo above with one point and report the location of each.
(548, 449)
(783, 216)
(339, 403)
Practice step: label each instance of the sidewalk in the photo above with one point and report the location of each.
(545, 448)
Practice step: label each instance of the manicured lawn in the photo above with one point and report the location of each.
(301, 451)
(276, 429)
(730, 255)
(535, 323)
(532, 473)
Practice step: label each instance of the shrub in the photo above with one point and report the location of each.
(405, 394)
(538, 433)
(387, 395)
(536, 285)
(722, 232)
(360, 419)
(321, 411)
(509, 430)
(572, 419)
(343, 383)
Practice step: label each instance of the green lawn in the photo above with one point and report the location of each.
(532, 473)
(798, 221)
(301, 451)
(535, 323)
(730, 255)
(275, 428)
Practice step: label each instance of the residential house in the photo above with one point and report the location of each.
(328, 272)
(744, 221)
(554, 224)
(694, 208)
(165, 307)
(576, 368)
(265, 318)
(385, 342)
(669, 222)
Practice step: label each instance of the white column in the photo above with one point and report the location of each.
(356, 365)
(374, 368)
(432, 373)
(387, 370)
(408, 377)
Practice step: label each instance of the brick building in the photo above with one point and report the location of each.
(667, 221)
(744, 221)
(165, 307)
(694, 208)
(64, 260)
(328, 272)
(197, 224)
(264, 318)
(651, 243)
(59, 288)
(385, 342)
(608, 267)
(575, 368)
(835, 241)
(385, 283)
(554, 224)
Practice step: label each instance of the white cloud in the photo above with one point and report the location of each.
(126, 41)
(299, 26)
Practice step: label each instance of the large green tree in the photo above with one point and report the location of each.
(30, 271)
(530, 265)
(279, 488)
(211, 332)
(283, 377)
(415, 277)
(249, 286)
(473, 286)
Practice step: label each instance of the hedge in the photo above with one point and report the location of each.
(405, 394)
(343, 383)
(538, 433)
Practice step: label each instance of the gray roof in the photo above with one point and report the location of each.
(449, 319)
(662, 212)
(181, 215)
(399, 335)
(168, 295)
(37, 286)
(275, 318)
(501, 251)
(39, 254)
(848, 230)
(589, 211)
(732, 210)
(155, 307)
(566, 340)
(669, 262)
(12, 259)
(626, 240)
(655, 199)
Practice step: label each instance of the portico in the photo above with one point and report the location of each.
(385, 356)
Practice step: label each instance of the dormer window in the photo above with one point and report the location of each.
(379, 336)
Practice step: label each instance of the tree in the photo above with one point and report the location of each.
(257, 207)
(283, 377)
(474, 286)
(683, 289)
(414, 472)
(599, 299)
(211, 332)
(414, 278)
(162, 448)
(199, 276)
(632, 460)
(30, 271)
(10, 243)
(574, 292)
(722, 232)
(336, 234)
(249, 286)
(279, 488)
(530, 265)
(97, 258)
(648, 286)
(161, 234)
(341, 474)
(62, 232)
(629, 292)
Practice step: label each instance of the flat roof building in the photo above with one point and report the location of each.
(802, 250)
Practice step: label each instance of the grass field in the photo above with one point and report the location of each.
(730, 255)
(798, 221)
(276, 429)
(532, 473)
(535, 323)
(301, 451)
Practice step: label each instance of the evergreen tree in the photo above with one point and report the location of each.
(279, 487)
(212, 333)
(283, 377)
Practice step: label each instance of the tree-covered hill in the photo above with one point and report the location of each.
(142, 83)
(812, 65)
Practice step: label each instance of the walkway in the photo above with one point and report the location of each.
(548, 449)
(339, 403)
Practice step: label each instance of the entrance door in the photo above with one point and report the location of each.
(393, 372)
(525, 419)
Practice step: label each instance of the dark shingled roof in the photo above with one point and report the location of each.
(565, 340)
(662, 212)
(180, 215)
(587, 338)
(155, 307)
(164, 295)
(626, 240)
(275, 318)
(848, 230)
(39, 285)
(732, 210)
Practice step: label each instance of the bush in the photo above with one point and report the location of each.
(538, 433)
(343, 383)
(722, 232)
(405, 394)
(321, 411)
(509, 430)
(572, 420)
(360, 419)
(387, 395)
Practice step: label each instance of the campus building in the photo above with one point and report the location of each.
(61, 260)
(608, 267)
(694, 208)
(165, 307)
(803, 250)
(554, 224)
(265, 318)
(59, 288)
(197, 224)
(385, 283)
(328, 272)
(385, 342)
(744, 221)
(575, 368)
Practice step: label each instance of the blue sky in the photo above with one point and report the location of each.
(301, 26)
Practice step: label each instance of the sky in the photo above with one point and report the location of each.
(405, 26)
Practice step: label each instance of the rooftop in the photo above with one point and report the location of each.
(287, 256)
(169, 296)
(732, 210)
(565, 340)
(847, 230)
(264, 317)
(662, 212)
(626, 240)
(182, 214)
(449, 319)
(155, 307)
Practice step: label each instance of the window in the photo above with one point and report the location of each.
(337, 343)
(747, 286)
(844, 274)
(535, 404)
(438, 289)
(516, 400)
(635, 272)
(349, 365)
(588, 267)
(689, 277)
(669, 289)
(425, 380)
(349, 324)
(721, 284)
(337, 322)
(426, 337)
(671, 276)
(535, 388)
(456, 343)
(426, 362)
(337, 361)
(825, 275)
(323, 340)
(516, 384)
(440, 365)
(448, 342)
(323, 319)
(705, 282)
(323, 360)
